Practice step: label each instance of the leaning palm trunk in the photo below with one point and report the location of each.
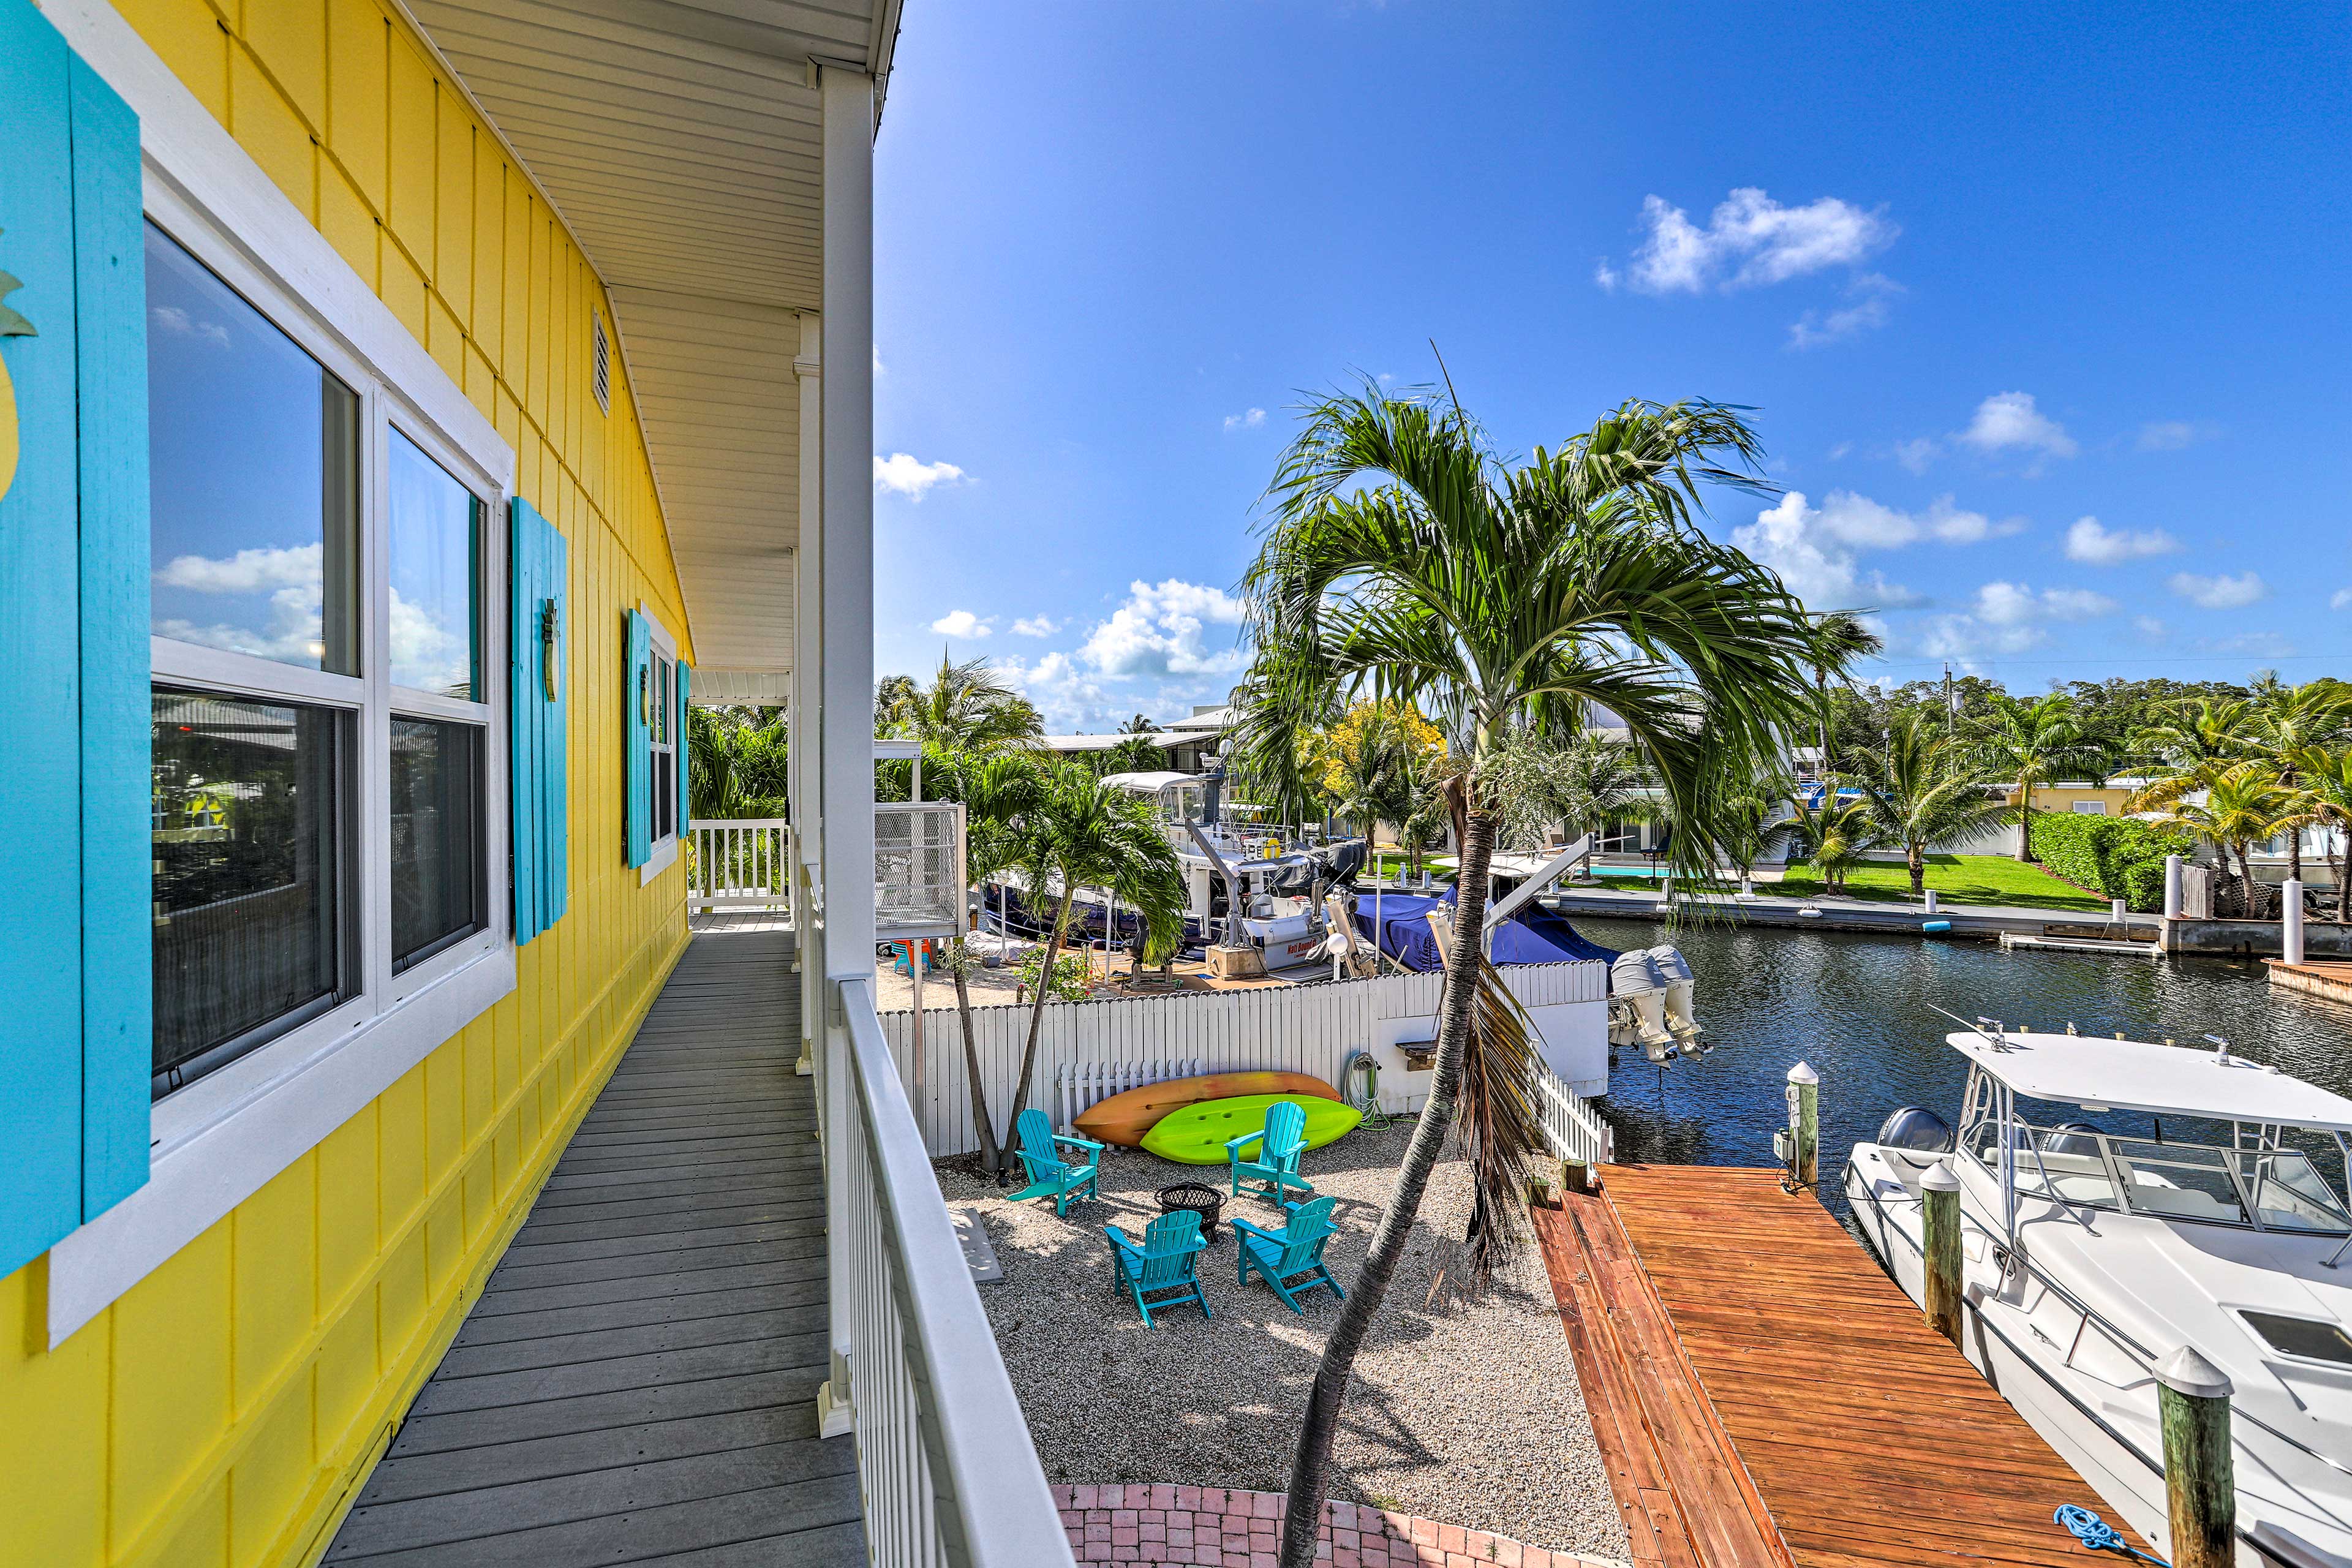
(2025, 823)
(1303, 1512)
(1916, 855)
(991, 1160)
(1037, 1011)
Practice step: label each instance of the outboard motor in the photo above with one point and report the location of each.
(2071, 1138)
(1637, 1006)
(1916, 1129)
(1675, 971)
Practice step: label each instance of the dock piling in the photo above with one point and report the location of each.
(2200, 1498)
(1939, 1193)
(1805, 1125)
(2291, 922)
(2172, 887)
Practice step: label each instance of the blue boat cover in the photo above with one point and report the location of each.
(1532, 935)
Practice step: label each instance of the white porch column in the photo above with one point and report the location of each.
(845, 671)
(808, 657)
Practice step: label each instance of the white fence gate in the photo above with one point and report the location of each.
(1304, 1029)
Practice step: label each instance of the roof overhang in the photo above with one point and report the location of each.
(680, 143)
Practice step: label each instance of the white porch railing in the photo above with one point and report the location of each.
(737, 864)
(949, 1474)
(919, 868)
(1573, 1129)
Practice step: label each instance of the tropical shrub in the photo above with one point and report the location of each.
(1070, 981)
(2121, 856)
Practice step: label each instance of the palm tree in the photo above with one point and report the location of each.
(1139, 754)
(1924, 788)
(2210, 732)
(995, 792)
(1403, 560)
(2245, 804)
(2289, 720)
(1834, 832)
(1364, 773)
(968, 706)
(1139, 725)
(1840, 639)
(1081, 831)
(736, 762)
(2327, 792)
(2035, 741)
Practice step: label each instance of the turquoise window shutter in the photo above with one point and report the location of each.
(538, 693)
(77, 1037)
(637, 695)
(684, 749)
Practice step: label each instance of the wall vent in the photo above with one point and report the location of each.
(600, 357)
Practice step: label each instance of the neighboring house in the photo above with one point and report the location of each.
(426, 401)
(1188, 742)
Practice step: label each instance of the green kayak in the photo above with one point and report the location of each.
(1196, 1134)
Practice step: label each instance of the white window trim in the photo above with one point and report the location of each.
(221, 1139)
(660, 853)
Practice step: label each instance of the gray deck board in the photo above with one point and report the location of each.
(637, 1381)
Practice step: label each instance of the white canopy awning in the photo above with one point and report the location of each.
(2162, 1080)
(1151, 784)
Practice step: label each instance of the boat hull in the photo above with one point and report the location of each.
(2107, 1434)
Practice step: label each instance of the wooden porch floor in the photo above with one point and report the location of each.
(637, 1383)
(1765, 1396)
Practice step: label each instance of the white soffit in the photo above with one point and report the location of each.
(681, 142)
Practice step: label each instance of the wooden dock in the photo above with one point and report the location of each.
(1766, 1397)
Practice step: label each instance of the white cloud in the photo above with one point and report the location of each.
(2102, 546)
(2009, 618)
(877, 358)
(1248, 420)
(426, 654)
(2219, 593)
(912, 477)
(1035, 626)
(246, 572)
(2008, 420)
(2151, 627)
(1749, 241)
(2168, 435)
(1605, 275)
(1161, 630)
(2343, 598)
(1869, 294)
(2014, 603)
(173, 319)
(1917, 455)
(290, 632)
(1816, 548)
(962, 625)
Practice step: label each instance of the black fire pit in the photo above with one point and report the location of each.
(1204, 1201)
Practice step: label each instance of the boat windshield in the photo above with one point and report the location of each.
(2273, 1187)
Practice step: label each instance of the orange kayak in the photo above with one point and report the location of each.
(1124, 1119)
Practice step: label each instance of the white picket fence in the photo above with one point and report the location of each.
(1084, 1084)
(1571, 1125)
(1304, 1028)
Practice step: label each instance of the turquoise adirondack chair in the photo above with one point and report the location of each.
(1291, 1261)
(1279, 1147)
(1050, 1175)
(1163, 1266)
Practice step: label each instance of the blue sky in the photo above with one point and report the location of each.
(2047, 312)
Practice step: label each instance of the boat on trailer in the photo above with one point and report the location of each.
(2120, 1200)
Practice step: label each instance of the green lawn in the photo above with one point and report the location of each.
(1959, 878)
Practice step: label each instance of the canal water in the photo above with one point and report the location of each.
(1858, 1008)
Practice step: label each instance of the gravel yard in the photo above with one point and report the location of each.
(1465, 1410)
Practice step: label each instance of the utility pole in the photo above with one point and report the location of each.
(1951, 702)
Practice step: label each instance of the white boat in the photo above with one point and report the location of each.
(2196, 1215)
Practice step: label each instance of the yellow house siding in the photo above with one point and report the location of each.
(224, 1411)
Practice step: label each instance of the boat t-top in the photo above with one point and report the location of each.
(2120, 1200)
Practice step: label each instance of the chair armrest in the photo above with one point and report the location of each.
(1081, 1142)
(1120, 1241)
(1234, 1145)
(1239, 1224)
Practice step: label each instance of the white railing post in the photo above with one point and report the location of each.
(945, 1465)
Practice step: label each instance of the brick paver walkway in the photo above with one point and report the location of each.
(1215, 1527)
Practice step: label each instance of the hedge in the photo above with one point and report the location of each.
(2121, 856)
